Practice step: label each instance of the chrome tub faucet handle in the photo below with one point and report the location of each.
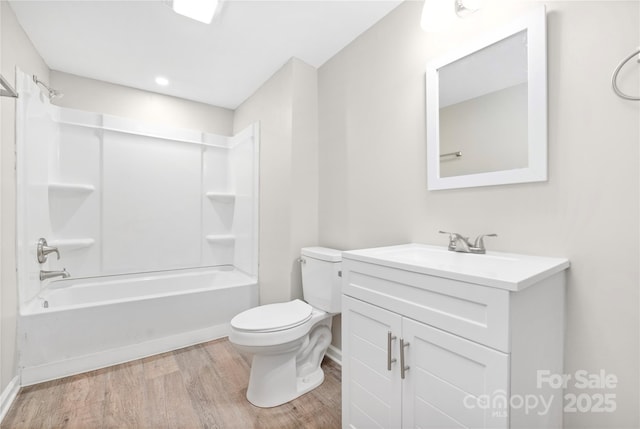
(43, 250)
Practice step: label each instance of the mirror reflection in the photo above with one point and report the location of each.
(483, 109)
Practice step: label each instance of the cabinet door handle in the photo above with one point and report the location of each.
(403, 369)
(390, 337)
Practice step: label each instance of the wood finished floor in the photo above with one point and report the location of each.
(202, 386)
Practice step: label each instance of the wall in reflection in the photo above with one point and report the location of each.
(490, 131)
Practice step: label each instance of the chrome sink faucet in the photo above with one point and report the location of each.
(44, 275)
(459, 243)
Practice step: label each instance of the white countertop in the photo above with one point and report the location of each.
(509, 271)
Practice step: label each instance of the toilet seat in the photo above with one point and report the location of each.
(273, 317)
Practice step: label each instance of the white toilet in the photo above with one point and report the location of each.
(288, 340)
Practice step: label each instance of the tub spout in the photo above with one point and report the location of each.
(44, 275)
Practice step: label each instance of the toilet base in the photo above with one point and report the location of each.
(276, 379)
(310, 382)
(274, 383)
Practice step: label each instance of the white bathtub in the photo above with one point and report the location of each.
(77, 325)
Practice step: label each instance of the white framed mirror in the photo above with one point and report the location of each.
(487, 108)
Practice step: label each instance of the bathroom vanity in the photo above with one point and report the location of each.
(433, 338)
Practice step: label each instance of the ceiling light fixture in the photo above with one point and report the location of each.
(467, 7)
(200, 10)
(438, 15)
(162, 81)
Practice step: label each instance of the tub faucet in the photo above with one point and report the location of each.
(44, 275)
(458, 243)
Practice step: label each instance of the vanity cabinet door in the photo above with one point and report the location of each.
(446, 376)
(371, 393)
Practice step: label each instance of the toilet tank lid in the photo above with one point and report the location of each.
(322, 253)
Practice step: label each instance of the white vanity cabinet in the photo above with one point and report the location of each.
(469, 334)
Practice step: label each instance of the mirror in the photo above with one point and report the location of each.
(487, 109)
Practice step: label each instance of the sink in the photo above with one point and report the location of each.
(504, 270)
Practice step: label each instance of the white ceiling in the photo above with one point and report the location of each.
(223, 63)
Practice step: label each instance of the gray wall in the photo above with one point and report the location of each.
(373, 172)
(490, 131)
(97, 96)
(286, 107)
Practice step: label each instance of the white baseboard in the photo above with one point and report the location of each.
(8, 396)
(335, 354)
(78, 364)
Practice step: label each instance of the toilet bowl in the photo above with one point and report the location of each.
(288, 340)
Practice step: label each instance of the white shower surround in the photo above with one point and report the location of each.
(157, 227)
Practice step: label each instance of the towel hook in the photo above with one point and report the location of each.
(614, 78)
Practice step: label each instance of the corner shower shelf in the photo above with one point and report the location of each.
(221, 197)
(221, 239)
(72, 243)
(71, 188)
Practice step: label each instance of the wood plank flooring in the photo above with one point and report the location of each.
(202, 386)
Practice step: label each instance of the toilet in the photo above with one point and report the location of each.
(288, 340)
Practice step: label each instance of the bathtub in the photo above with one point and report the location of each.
(78, 325)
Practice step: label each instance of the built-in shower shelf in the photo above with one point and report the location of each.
(221, 197)
(221, 238)
(70, 188)
(72, 243)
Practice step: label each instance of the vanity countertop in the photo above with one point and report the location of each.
(509, 271)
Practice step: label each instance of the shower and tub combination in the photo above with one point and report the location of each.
(155, 226)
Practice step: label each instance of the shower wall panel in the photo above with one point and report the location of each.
(35, 130)
(217, 205)
(152, 213)
(74, 198)
(243, 161)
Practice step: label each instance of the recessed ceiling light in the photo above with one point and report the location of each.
(200, 10)
(162, 81)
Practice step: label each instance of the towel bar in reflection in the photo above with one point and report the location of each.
(457, 154)
(7, 90)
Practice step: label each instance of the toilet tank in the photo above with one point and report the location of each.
(321, 281)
